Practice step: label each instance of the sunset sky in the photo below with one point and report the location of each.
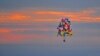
(49, 10)
(32, 24)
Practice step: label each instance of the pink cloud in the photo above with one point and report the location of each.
(20, 38)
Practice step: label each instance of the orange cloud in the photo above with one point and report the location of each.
(2, 30)
(50, 16)
(48, 12)
(17, 17)
(80, 16)
(13, 17)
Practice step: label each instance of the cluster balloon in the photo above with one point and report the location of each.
(64, 28)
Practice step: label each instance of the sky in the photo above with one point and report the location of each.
(29, 10)
(28, 27)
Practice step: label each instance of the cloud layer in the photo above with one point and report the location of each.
(87, 15)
